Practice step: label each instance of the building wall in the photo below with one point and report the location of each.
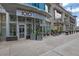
(64, 20)
(2, 23)
(41, 11)
(12, 20)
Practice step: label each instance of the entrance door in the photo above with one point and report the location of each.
(29, 30)
(21, 31)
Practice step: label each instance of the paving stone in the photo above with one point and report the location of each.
(50, 46)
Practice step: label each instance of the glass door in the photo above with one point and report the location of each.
(29, 31)
(21, 31)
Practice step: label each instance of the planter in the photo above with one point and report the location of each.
(32, 36)
(11, 38)
(39, 37)
(28, 37)
(66, 33)
(47, 34)
(44, 34)
(36, 37)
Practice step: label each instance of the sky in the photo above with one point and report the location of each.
(74, 8)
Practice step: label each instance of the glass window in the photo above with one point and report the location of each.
(3, 31)
(37, 21)
(29, 20)
(41, 21)
(39, 5)
(57, 14)
(46, 8)
(35, 4)
(21, 19)
(42, 6)
(12, 29)
(12, 18)
(2, 25)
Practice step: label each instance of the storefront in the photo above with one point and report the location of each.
(2, 23)
(25, 26)
(2, 26)
(24, 22)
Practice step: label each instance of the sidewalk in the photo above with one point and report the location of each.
(49, 46)
(70, 48)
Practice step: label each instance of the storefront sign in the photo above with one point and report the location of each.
(29, 14)
(23, 13)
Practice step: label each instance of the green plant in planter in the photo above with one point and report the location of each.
(33, 31)
(38, 31)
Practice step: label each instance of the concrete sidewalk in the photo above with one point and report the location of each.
(50, 46)
(70, 48)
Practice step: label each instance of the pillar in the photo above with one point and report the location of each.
(7, 25)
(63, 16)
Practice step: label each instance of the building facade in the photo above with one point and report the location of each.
(33, 20)
(77, 28)
(24, 21)
(62, 20)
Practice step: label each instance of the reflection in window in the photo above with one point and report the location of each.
(39, 5)
(46, 8)
(57, 15)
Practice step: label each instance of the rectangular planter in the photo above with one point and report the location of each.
(11, 38)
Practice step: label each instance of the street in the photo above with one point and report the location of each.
(61, 45)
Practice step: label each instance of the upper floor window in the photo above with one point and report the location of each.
(35, 4)
(39, 5)
(46, 8)
(12, 18)
(57, 14)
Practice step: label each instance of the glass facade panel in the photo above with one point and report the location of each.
(12, 18)
(35, 4)
(29, 20)
(39, 5)
(12, 29)
(21, 31)
(2, 25)
(21, 19)
(42, 6)
(46, 8)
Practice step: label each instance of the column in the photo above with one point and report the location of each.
(7, 25)
(63, 16)
(52, 19)
(68, 25)
(17, 27)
